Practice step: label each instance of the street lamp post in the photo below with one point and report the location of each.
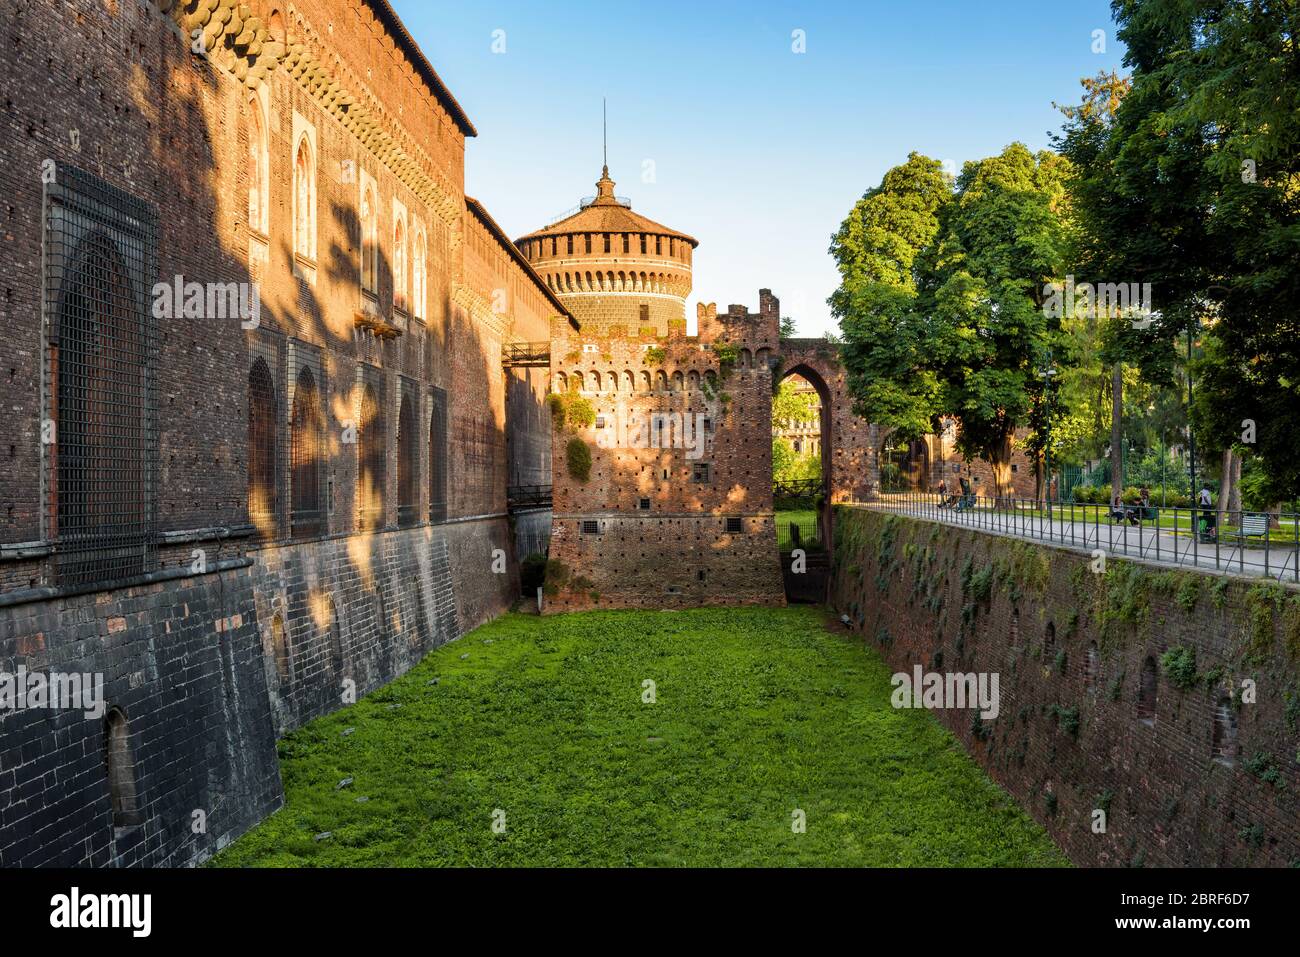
(1164, 455)
(1048, 372)
(1191, 438)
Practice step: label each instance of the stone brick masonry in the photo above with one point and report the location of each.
(658, 523)
(209, 664)
(1093, 717)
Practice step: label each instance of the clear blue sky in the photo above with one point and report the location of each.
(758, 152)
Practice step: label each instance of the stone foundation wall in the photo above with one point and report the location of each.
(182, 659)
(1196, 775)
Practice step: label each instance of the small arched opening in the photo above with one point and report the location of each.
(119, 762)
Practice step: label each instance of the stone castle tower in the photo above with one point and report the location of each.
(615, 270)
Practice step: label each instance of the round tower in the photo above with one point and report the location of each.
(613, 267)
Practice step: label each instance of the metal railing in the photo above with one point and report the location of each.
(796, 488)
(528, 496)
(802, 533)
(1265, 544)
(526, 354)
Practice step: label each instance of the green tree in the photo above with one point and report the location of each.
(789, 466)
(943, 293)
(791, 407)
(877, 249)
(1195, 188)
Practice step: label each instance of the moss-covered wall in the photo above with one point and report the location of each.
(1070, 643)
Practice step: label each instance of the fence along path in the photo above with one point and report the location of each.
(1244, 543)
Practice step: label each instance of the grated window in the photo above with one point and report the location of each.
(261, 449)
(306, 446)
(102, 433)
(408, 504)
(438, 456)
(371, 445)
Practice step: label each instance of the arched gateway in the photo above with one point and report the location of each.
(850, 460)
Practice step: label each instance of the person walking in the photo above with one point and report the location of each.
(1207, 524)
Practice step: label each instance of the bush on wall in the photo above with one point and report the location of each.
(570, 410)
(577, 457)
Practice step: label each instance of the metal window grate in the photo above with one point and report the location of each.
(262, 497)
(306, 448)
(734, 525)
(101, 391)
(408, 456)
(438, 455)
(372, 446)
(590, 527)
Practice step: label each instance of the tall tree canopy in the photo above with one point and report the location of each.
(942, 295)
(1195, 188)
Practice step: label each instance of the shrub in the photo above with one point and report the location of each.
(1067, 719)
(532, 573)
(577, 457)
(727, 354)
(1091, 494)
(555, 576)
(1264, 767)
(1180, 666)
(559, 408)
(655, 356)
(579, 412)
(1189, 592)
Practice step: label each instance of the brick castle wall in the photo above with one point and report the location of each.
(183, 660)
(1070, 647)
(195, 659)
(660, 536)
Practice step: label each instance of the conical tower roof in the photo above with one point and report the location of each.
(606, 213)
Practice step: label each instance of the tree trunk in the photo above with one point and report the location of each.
(1230, 488)
(1116, 431)
(1000, 461)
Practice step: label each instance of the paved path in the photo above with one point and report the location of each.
(1164, 546)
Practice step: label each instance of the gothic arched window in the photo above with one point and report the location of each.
(369, 240)
(307, 444)
(261, 449)
(304, 201)
(408, 505)
(371, 463)
(257, 167)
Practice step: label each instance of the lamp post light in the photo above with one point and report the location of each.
(1048, 372)
(1191, 438)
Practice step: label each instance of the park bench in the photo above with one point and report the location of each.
(1253, 525)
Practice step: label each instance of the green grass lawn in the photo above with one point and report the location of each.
(758, 712)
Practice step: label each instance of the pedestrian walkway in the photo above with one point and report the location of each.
(1168, 544)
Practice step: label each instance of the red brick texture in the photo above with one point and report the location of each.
(251, 645)
(657, 523)
(1071, 647)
